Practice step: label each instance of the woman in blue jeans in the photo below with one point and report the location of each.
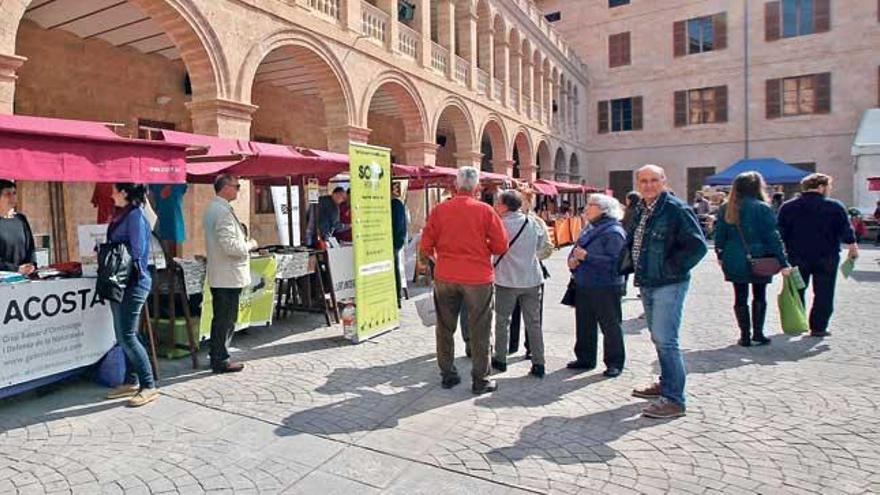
(130, 226)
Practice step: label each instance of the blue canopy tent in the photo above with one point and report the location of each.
(774, 170)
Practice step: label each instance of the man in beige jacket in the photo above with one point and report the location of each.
(228, 268)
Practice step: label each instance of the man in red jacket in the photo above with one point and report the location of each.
(461, 236)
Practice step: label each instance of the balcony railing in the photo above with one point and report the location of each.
(482, 82)
(439, 58)
(461, 69)
(409, 41)
(499, 89)
(374, 22)
(327, 8)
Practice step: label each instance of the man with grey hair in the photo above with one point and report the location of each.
(461, 236)
(518, 278)
(665, 242)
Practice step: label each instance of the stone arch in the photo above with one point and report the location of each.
(485, 27)
(314, 58)
(454, 120)
(526, 54)
(559, 163)
(493, 134)
(500, 40)
(543, 160)
(522, 146)
(396, 93)
(574, 167)
(181, 20)
(515, 44)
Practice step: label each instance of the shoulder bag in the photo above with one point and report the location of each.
(510, 245)
(766, 266)
(115, 267)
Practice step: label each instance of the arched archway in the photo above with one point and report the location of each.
(485, 27)
(395, 114)
(453, 128)
(559, 165)
(500, 41)
(522, 155)
(574, 169)
(295, 76)
(543, 161)
(526, 75)
(493, 145)
(514, 78)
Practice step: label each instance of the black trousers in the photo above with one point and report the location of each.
(741, 294)
(823, 273)
(397, 275)
(595, 308)
(225, 306)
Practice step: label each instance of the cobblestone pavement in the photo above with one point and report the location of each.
(312, 413)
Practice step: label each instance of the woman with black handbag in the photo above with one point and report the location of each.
(750, 252)
(597, 287)
(130, 228)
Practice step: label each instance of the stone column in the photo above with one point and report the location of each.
(423, 26)
(420, 154)
(446, 33)
(516, 76)
(469, 158)
(528, 172)
(467, 21)
(223, 118)
(487, 51)
(502, 56)
(527, 84)
(503, 166)
(339, 137)
(350, 14)
(9, 65)
(538, 93)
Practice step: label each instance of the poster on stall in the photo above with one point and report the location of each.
(256, 303)
(51, 327)
(342, 270)
(370, 196)
(282, 212)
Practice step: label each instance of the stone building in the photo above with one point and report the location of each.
(697, 85)
(448, 82)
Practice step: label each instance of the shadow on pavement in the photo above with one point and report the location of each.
(565, 440)
(784, 349)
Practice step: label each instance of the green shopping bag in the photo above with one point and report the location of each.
(791, 310)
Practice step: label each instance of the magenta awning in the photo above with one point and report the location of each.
(60, 150)
(544, 188)
(562, 187)
(874, 183)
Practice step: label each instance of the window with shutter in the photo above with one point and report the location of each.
(821, 16)
(618, 50)
(771, 21)
(701, 106)
(721, 104)
(822, 89)
(637, 113)
(801, 95)
(774, 99)
(603, 117)
(700, 34)
(680, 108)
(679, 38)
(720, 23)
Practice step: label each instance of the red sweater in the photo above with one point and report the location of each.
(463, 234)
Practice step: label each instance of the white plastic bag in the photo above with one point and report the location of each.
(427, 309)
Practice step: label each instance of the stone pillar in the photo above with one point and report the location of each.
(527, 84)
(9, 65)
(516, 76)
(528, 172)
(423, 26)
(339, 137)
(467, 21)
(548, 101)
(390, 8)
(487, 53)
(223, 118)
(350, 14)
(420, 154)
(563, 107)
(446, 33)
(469, 158)
(503, 166)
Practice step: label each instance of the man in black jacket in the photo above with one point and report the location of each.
(665, 242)
(812, 227)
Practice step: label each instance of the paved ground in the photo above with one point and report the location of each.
(314, 414)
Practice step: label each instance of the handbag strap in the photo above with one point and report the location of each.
(743, 238)
(525, 222)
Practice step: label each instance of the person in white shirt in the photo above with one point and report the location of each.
(228, 269)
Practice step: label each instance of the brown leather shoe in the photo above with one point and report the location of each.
(229, 367)
(651, 392)
(664, 409)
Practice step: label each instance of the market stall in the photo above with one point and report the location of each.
(52, 326)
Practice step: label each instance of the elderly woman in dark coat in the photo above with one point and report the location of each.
(747, 218)
(599, 288)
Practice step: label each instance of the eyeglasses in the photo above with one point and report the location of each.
(236, 186)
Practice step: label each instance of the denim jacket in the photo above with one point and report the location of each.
(604, 241)
(672, 245)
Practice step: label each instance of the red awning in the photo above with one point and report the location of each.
(874, 183)
(59, 150)
(562, 187)
(544, 188)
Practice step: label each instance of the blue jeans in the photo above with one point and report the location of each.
(663, 310)
(126, 319)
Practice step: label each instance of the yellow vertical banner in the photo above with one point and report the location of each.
(370, 196)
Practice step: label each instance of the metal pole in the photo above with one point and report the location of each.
(289, 212)
(746, 75)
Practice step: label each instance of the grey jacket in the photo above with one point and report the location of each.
(228, 248)
(519, 268)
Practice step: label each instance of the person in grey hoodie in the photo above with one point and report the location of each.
(518, 278)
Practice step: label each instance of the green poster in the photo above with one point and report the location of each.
(256, 302)
(370, 196)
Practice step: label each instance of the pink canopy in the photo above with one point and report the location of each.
(44, 149)
(874, 183)
(545, 189)
(561, 187)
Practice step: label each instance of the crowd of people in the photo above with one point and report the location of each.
(657, 239)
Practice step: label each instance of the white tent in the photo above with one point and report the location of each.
(866, 160)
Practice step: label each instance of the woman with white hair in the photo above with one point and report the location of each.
(598, 286)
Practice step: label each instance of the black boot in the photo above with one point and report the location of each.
(759, 312)
(744, 321)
